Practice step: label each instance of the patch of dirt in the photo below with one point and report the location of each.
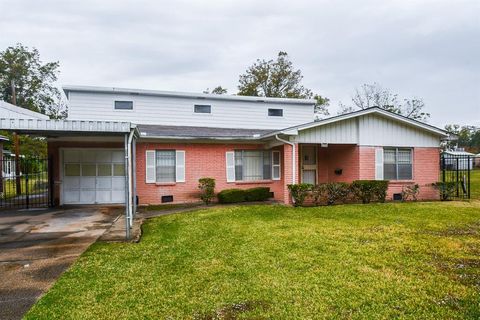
(233, 311)
(466, 230)
(449, 300)
(4, 267)
(464, 270)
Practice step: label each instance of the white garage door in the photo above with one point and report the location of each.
(93, 176)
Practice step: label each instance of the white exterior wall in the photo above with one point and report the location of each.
(375, 130)
(179, 111)
(369, 130)
(345, 132)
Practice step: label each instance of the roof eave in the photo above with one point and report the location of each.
(200, 96)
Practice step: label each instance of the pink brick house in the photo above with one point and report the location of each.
(151, 147)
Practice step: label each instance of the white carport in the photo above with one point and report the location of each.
(75, 131)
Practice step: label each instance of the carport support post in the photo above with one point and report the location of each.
(134, 176)
(127, 187)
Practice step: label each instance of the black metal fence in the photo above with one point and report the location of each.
(455, 174)
(25, 183)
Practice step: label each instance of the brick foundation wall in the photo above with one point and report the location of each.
(201, 160)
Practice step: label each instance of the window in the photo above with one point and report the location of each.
(104, 170)
(119, 169)
(201, 108)
(253, 165)
(89, 170)
(276, 165)
(397, 164)
(275, 112)
(123, 105)
(165, 165)
(72, 169)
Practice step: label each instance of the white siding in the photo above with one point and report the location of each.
(179, 111)
(376, 130)
(369, 130)
(338, 132)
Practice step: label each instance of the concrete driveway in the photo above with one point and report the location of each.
(36, 247)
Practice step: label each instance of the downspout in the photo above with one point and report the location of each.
(130, 179)
(294, 163)
(127, 204)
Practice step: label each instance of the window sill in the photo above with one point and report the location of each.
(401, 181)
(255, 182)
(160, 184)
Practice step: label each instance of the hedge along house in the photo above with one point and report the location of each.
(160, 143)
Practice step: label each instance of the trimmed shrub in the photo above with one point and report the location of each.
(446, 189)
(257, 194)
(370, 190)
(299, 192)
(231, 196)
(337, 192)
(319, 194)
(410, 192)
(207, 189)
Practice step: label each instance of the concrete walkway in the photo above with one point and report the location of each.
(116, 233)
(37, 246)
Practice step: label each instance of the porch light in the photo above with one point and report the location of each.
(324, 145)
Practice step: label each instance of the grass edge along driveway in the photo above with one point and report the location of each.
(410, 260)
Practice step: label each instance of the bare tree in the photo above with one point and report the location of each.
(374, 95)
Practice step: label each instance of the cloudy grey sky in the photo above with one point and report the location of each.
(428, 49)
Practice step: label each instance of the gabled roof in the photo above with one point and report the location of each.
(374, 110)
(110, 90)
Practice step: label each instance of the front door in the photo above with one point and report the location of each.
(309, 164)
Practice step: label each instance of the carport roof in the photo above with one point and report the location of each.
(65, 127)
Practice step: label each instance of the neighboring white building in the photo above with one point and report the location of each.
(459, 159)
(10, 111)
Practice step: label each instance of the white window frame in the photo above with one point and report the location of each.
(175, 165)
(396, 162)
(279, 165)
(124, 110)
(179, 166)
(203, 113)
(263, 169)
(273, 116)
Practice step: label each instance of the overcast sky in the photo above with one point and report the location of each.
(427, 49)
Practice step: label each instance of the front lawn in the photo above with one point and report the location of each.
(378, 261)
(475, 184)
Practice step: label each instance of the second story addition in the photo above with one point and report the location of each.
(186, 109)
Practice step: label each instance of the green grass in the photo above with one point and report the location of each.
(377, 261)
(35, 185)
(475, 184)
